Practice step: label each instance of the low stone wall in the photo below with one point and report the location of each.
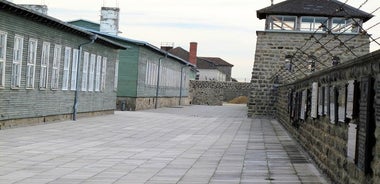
(320, 109)
(215, 92)
(136, 104)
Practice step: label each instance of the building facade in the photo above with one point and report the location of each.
(217, 63)
(151, 78)
(148, 76)
(47, 65)
(334, 115)
(302, 37)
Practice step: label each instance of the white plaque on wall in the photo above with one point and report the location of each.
(321, 101)
(314, 100)
(342, 104)
(327, 101)
(303, 105)
(350, 99)
(332, 105)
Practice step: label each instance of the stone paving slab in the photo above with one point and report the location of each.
(188, 145)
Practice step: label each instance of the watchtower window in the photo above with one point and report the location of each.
(282, 23)
(318, 24)
(343, 25)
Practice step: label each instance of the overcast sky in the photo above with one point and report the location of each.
(222, 28)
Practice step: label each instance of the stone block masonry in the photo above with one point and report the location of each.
(215, 92)
(271, 49)
(346, 154)
(143, 103)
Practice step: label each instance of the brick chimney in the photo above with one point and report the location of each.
(193, 53)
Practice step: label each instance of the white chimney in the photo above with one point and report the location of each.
(109, 20)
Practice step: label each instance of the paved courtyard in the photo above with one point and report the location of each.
(193, 145)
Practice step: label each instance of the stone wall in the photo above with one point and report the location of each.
(273, 47)
(319, 117)
(141, 103)
(215, 92)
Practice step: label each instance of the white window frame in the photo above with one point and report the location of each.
(345, 26)
(98, 72)
(55, 67)
(314, 26)
(280, 22)
(66, 69)
(74, 69)
(116, 77)
(86, 59)
(44, 72)
(147, 73)
(3, 56)
(151, 73)
(31, 63)
(153, 78)
(17, 61)
(104, 74)
(91, 78)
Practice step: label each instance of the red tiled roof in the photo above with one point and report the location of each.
(180, 52)
(217, 61)
(202, 62)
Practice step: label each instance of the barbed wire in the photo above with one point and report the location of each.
(314, 33)
(365, 2)
(310, 47)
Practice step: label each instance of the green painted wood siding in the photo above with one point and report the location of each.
(145, 90)
(127, 83)
(25, 103)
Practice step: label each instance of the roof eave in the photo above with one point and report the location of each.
(264, 15)
(145, 44)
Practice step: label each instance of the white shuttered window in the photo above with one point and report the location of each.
(55, 67)
(44, 65)
(86, 58)
(31, 63)
(74, 69)
(17, 61)
(97, 74)
(3, 56)
(66, 69)
(104, 74)
(91, 76)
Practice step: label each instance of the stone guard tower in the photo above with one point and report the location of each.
(301, 37)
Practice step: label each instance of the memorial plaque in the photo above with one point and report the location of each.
(321, 100)
(342, 104)
(350, 99)
(326, 108)
(366, 139)
(333, 107)
(303, 105)
(314, 100)
(351, 141)
(294, 106)
(290, 101)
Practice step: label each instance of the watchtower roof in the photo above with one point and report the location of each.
(323, 8)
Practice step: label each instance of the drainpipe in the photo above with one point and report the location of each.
(180, 86)
(158, 78)
(75, 107)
